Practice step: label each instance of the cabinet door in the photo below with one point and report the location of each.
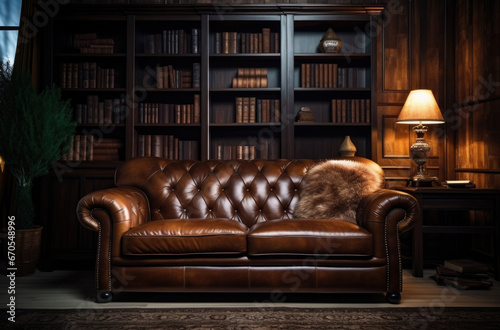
(333, 87)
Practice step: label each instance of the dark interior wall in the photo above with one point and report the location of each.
(476, 99)
(449, 47)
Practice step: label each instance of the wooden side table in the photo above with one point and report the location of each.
(442, 198)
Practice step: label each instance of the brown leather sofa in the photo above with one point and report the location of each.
(228, 226)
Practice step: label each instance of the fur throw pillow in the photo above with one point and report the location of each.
(333, 189)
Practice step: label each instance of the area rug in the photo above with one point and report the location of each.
(259, 318)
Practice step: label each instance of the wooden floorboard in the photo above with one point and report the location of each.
(75, 289)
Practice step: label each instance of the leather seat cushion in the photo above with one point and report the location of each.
(186, 237)
(313, 237)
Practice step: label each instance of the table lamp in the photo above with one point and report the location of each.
(421, 109)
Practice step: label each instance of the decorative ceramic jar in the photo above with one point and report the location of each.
(330, 43)
(347, 148)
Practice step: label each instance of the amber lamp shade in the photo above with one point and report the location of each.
(421, 109)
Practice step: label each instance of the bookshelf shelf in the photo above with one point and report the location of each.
(309, 124)
(330, 90)
(102, 124)
(161, 55)
(247, 56)
(179, 125)
(255, 125)
(174, 90)
(245, 90)
(92, 90)
(339, 56)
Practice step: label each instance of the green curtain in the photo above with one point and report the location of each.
(27, 59)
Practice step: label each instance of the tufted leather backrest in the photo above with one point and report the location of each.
(245, 191)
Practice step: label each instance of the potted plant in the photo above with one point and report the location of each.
(35, 130)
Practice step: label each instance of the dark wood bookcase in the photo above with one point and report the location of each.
(197, 52)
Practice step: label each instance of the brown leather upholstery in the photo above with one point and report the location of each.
(312, 237)
(186, 236)
(248, 192)
(178, 226)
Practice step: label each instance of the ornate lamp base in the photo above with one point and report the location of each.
(418, 152)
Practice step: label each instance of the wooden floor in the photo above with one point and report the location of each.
(75, 289)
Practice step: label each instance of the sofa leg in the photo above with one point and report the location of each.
(393, 298)
(104, 297)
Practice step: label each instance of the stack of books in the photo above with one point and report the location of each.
(250, 78)
(89, 148)
(463, 274)
(89, 43)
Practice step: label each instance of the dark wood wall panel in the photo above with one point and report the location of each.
(396, 51)
(432, 51)
(393, 83)
(486, 49)
(477, 91)
(63, 235)
(478, 146)
(395, 138)
(393, 53)
(411, 55)
(463, 51)
(62, 227)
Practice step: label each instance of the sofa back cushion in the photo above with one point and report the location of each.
(246, 191)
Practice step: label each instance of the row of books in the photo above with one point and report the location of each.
(253, 110)
(463, 274)
(90, 148)
(167, 146)
(168, 77)
(330, 75)
(264, 149)
(250, 78)
(163, 113)
(247, 43)
(172, 42)
(351, 111)
(91, 44)
(85, 75)
(107, 111)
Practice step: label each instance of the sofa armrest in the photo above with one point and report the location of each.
(111, 212)
(125, 205)
(387, 213)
